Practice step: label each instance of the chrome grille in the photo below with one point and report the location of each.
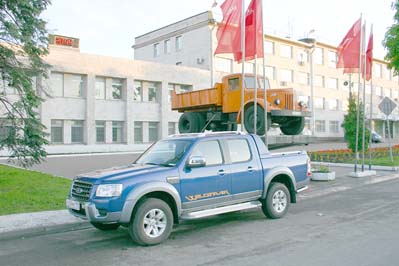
(81, 190)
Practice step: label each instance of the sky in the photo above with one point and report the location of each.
(108, 27)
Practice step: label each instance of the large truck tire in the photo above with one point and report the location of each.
(293, 127)
(188, 123)
(249, 115)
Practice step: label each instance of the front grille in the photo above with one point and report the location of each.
(289, 101)
(81, 190)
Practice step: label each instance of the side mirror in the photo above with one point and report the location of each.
(196, 161)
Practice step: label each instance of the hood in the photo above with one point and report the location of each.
(120, 172)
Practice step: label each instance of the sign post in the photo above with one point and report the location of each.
(387, 106)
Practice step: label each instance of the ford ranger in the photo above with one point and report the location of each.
(189, 176)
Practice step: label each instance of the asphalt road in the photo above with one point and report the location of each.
(353, 227)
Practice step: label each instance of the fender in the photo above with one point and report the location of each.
(137, 192)
(280, 170)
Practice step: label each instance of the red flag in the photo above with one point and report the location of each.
(369, 57)
(229, 30)
(253, 31)
(348, 51)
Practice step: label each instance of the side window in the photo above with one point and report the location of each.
(210, 150)
(239, 150)
(233, 84)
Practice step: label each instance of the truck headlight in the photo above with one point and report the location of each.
(109, 190)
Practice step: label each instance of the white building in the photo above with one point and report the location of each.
(287, 65)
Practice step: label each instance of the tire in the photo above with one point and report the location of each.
(152, 223)
(105, 227)
(188, 123)
(293, 127)
(277, 201)
(249, 120)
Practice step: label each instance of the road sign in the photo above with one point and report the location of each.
(387, 106)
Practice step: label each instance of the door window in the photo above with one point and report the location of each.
(210, 150)
(238, 150)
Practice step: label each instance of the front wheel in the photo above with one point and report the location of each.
(294, 126)
(249, 116)
(277, 201)
(152, 222)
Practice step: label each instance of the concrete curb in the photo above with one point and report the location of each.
(348, 165)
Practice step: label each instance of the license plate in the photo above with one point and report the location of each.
(72, 204)
(296, 113)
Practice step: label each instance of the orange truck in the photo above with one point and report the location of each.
(219, 108)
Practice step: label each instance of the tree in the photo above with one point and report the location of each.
(391, 41)
(349, 126)
(23, 42)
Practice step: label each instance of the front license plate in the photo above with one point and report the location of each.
(72, 204)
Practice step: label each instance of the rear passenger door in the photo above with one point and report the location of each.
(246, 172)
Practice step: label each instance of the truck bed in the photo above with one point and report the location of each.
(197, 99)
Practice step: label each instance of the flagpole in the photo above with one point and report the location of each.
(358, 97)
(264, 80)
(256, 86)
(364, 97)
(242, 63)
(371, 103)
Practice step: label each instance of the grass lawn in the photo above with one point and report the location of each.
(30, 191)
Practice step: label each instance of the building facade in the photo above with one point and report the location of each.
(287, 65)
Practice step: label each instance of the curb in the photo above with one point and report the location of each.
(348, 165)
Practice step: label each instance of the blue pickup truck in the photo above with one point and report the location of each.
(189, 176)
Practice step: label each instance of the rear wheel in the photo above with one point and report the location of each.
(105, 227)
(294, 126)
(152, 222)
(249, 115)
(277, 201)
(188, 123)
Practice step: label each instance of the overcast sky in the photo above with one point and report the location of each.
(108, 27)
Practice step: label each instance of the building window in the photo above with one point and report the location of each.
(138, 132)
(171, 128)
(156, 50)
(304, 78)
(100, 88)
(285, 51)
(57, 131)
(171, 88)
(153, 131)
(249, 68)
(138, 91)
(153, 91)
(117, 85)
(223, 64)
(387, 93)
(320, 125)
(100, 131)
(166, 46)
(333, 83)
(319, 56)
(5, 88)
(378, 91)
(332, 59)
(77, 85)
(270, 72)
(303, 56)
(57, 84)
(179, 43)
(307, 123)
(319, 81)
(334, 126)
(378, 70)
(333, 104)
(395, 95)
(388, 75)
(286, 75)
(6, 129)
(117, 132)
(77, 131)
(269, 47)
(319, 103)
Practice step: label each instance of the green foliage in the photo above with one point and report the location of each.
(30, 191)
(23, 42)
(349, 126)
(391, 41)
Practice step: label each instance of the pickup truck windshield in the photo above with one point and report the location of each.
(165, 152)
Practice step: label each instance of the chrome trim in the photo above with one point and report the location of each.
(173, 180)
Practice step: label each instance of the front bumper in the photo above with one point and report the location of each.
(88, 211)
(291, 113)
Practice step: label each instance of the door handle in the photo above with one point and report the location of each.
(250, 169)
(222, 172)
